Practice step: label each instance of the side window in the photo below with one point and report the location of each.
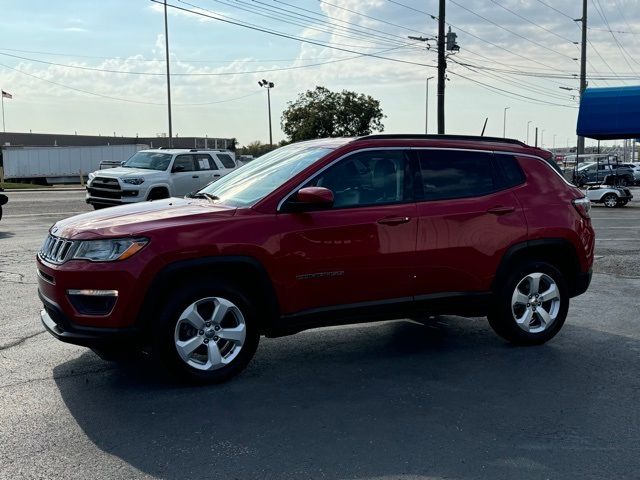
(184, 161)
(205, 162)
(226, 160)
(368, 178)
(455, 174)
(508, 171)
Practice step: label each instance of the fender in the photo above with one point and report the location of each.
(237, 267)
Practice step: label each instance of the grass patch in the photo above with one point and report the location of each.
(20, 186)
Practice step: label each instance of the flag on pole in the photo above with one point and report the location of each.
(6, 94)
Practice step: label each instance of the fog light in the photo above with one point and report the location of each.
(93, 302)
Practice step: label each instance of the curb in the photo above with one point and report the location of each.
(50, 189)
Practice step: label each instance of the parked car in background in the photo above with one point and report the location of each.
(635, 167)
(156, 174)
(595, 173)
(609, 194)
(324, 232)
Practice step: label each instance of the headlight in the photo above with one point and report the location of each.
(92, 175)
(133, 181)
(108, 250)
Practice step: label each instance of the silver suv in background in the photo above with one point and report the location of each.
(156, 174)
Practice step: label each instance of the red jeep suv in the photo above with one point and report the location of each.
(324, 232)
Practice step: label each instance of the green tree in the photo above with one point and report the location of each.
(322, 113)
(255, 148)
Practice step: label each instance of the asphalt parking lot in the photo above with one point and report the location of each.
(393, 400)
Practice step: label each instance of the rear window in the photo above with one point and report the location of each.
(508, 171)
(226, 160)
(455, 174)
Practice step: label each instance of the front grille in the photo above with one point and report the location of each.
(56, 250)
(97, 192)
(106, 183)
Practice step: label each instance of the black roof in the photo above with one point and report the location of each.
(418, 136)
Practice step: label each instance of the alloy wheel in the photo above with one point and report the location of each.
(535, 302)
(210, 333)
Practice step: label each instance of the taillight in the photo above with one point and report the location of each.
(583, 206)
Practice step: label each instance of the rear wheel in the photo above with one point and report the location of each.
(532, 305)
(610, 200)
(207, 332)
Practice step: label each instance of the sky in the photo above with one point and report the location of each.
(99, 67)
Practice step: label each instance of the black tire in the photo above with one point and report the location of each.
(610, 200)
(164, 342)
(501, 317)
(622, 203)
(158, 194)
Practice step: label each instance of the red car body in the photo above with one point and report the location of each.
(308, 264)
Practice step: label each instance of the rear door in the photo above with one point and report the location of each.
(468, 217)
(208, 170)
(227, 161)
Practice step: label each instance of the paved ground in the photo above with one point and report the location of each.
(390, 400)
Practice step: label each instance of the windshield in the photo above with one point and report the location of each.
(254, 181)
(149, 161)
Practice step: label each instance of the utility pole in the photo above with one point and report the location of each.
(166, 45)
(442, 66)
(583, 67)
(504, 123)
(528, 123)
(426, 108)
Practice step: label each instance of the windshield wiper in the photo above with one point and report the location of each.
(208, 196)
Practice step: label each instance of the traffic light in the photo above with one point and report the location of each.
(452, 46)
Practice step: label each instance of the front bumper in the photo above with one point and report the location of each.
(61, 327)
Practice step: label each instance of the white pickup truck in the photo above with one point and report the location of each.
(155, 174)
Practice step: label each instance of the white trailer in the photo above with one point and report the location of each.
(61, 164)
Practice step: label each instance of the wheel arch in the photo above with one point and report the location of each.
(244, 272)
(157, 187)
(557, 251)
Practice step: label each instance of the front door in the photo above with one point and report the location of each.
(361, 250)
(184, 176)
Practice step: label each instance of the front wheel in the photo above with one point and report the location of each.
(610, 200)
(531, 306)
(207, 332)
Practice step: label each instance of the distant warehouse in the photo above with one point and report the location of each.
(54, 158)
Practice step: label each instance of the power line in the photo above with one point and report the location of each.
(128, 100)
(556, 10)
(533, 23)
(372, 18)
(511, 31)
(433, 17)
(623, 51)
(199, 74)
(285, 35)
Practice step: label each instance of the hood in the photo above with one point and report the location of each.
(124, 172)
(139, 219)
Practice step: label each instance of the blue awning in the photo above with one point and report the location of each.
(610, 113)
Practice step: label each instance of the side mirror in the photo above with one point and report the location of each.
(318, 197)
(178, 168)
(123, 162)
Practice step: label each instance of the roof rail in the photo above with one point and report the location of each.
(422, 136)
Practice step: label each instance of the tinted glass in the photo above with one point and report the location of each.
(184, 161)
(508, 171)
(149, 161)
(205, 162)
(367, 178)
(455, 174)
(226, 160)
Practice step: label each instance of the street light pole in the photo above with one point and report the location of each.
(268, 85)
(426, 108)
(504, 124)
(542, 139)
(528, 123)
(166, 46)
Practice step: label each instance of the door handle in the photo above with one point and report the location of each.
(195, 176)
(500, 210)
(216, 175)
(393, 220)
